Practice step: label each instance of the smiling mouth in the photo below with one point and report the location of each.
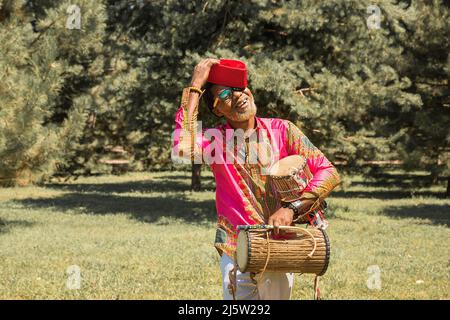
(242, 105)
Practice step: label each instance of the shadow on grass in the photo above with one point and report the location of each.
(158, 184)
(107, 198)
(147, 209)
(437, 214)
(406, 186)
(186, 177)
(416, 177)
(99, 199)
(398, 184)
(7, 225)
(388, 195)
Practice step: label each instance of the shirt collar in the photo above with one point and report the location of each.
(258, 126)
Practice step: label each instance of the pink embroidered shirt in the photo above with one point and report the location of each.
(243, 195)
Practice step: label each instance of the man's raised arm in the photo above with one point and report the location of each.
(184, 138)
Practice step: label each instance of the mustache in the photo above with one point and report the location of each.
(242, 99)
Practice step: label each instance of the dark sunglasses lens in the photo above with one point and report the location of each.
(225, 94)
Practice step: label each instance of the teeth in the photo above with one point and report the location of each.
(243, 102)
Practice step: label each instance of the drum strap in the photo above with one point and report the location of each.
(316, 288)
(313, 207)
(232, 286)
(252, 276)
(268, 255)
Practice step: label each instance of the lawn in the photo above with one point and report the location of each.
(146, 236)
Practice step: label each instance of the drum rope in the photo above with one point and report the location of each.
(314, 240)
(232, 286)
(256, 278)
(308, 233)
(316, 288)
(260, 276)
(313, 207)
(268, 255)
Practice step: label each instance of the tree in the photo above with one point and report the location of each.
(63, 65)
(303, 62)
(32, 77)
(365, 80)
(425, 139)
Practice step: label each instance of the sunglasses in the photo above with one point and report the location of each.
(226, 94)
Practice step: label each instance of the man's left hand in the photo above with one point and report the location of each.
(281, 217)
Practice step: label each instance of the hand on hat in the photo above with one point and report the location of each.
(201, 72)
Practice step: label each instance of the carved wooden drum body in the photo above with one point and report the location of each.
(301, 251)
(288, 177)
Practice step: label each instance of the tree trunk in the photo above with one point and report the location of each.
(196, 183)
(448, 187)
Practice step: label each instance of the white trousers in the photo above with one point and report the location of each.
(272, 286)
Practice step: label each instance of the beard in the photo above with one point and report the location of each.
(246, 114)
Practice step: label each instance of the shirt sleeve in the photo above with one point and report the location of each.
(187, 142)
(324, 175)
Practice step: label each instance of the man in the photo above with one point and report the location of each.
(243, 196)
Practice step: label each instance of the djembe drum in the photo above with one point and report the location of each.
(289, 177)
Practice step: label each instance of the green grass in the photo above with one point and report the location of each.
(147, 236)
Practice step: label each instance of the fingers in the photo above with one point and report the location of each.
(276, 226)
(213, 61)
(270, 222)
(278, 220)
(273, 222)
(208, 62)
(201, 71)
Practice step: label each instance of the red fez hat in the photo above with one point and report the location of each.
(230, 73)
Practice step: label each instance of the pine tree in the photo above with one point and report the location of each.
(316, 64)
(424, 34)
(365, 80)
(46, 72)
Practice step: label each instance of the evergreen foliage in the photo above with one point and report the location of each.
(361, 91)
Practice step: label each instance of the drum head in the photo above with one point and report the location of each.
(287, 165)
(242, 251)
